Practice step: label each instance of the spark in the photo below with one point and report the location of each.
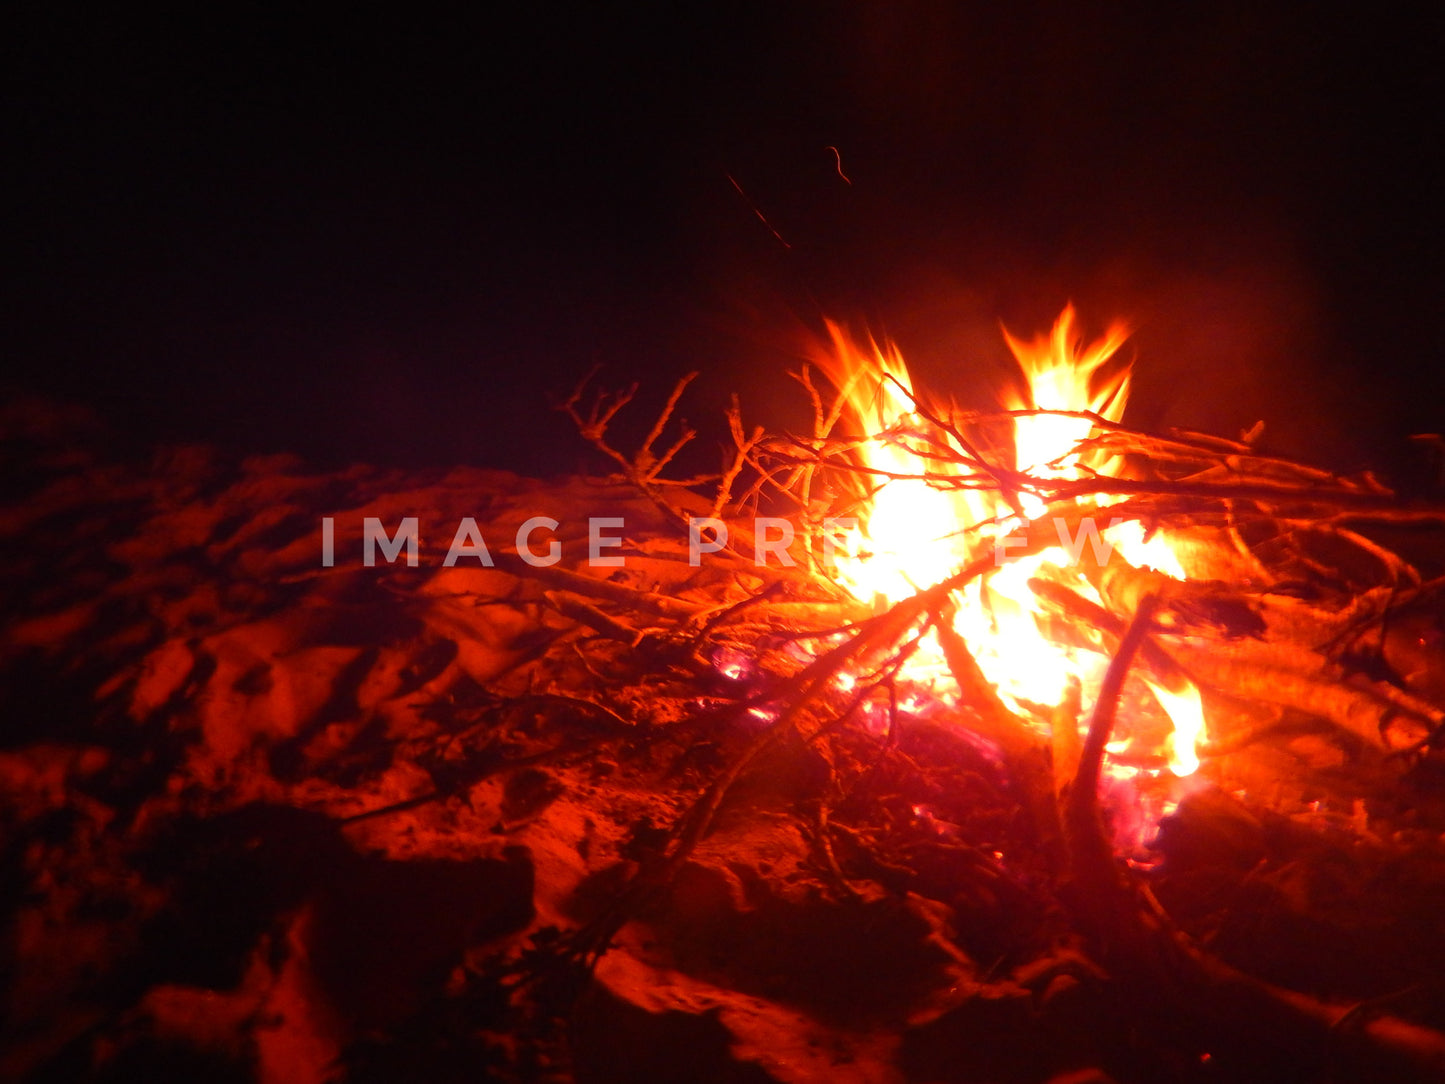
(761, 217)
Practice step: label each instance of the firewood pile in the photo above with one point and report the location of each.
(701, 817)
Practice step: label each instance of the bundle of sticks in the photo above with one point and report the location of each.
(1313, 633)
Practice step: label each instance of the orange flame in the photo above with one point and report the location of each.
(1059, 369)
(917, 531)
(911, 537)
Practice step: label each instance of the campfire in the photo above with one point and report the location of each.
(1102, 611)
(937, 503)
(927, 744)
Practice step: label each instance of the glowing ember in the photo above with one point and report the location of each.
(916, 531)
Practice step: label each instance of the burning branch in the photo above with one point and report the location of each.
(1083, 802)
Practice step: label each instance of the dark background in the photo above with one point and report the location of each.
(386, 238)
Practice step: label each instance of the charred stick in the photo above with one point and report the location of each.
(727, 613)
(1092, 615)
(586, 614)
(646, 601)
(1269, 673)
(1298, 678)
(470, 778)
(1083, 797)
(647, 463)
(804, 376)
(887, 679)
(600, 415)
(741, 457)
(823, 834)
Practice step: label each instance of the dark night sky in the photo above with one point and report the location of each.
(376, 238)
